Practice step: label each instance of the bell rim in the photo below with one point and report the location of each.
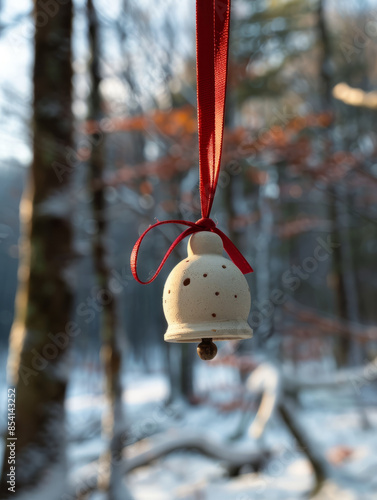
(224, 330)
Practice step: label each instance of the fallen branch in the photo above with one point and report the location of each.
(354, 96)
(88, 477)
(265, 379)
(319, 464)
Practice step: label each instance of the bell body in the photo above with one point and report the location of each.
(206, 296)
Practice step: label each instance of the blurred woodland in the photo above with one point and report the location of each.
(98, 140)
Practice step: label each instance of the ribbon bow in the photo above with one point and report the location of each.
(212, 42)
(204, 224)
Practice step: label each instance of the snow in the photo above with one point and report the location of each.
(332, 420)
(188, 475)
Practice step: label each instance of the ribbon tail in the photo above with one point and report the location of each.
(236, 256)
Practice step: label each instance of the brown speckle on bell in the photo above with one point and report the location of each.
(207, 350)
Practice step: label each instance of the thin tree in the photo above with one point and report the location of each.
(111, 353)
(41, 333)
(343, 268)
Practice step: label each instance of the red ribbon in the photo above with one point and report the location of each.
(212, 42)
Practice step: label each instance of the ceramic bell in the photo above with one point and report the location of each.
(206, 297)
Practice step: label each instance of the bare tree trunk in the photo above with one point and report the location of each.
(263, 260)
(40, 336)
(111, 480)
(187, 371)
(343, 268)
(349, 351)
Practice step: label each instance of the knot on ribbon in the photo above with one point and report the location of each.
(203, 224)
(206, 223)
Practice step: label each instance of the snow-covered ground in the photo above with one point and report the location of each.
(346, 436)
(331, 421)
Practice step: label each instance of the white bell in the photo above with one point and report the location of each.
(206, 297)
